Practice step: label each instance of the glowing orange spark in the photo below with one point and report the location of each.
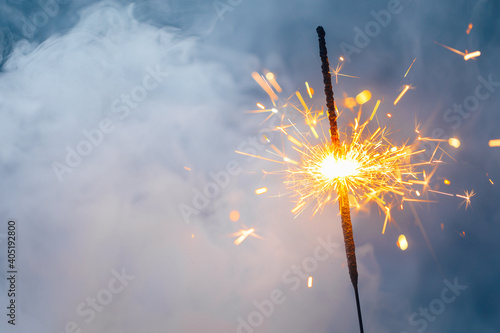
(243, 234)
(363, 97)
(402, 242)
(375, 109)
(187, 168)
(299, 96)
(472, 55)
(451, 49)
(466, 55)
(402, 94)
(387, 218)
(469, 28)
(337, 70)
(265, 86)
(272, 79)
(256, 156)
(494, 143)
(298, 207)
(455, 143)
(410, 67)
(443, 193)
(310, 282)
(286, 159)
(307, 113)
(294, 141)
(467, 195)
(310, 90)
(261, 190)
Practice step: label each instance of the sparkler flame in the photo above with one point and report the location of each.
(371, 167)
(333, 168)
(367, 164)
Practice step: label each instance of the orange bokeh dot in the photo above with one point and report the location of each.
(363, 97)
(350, 102)
(234, 215)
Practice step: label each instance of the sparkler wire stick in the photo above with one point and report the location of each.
(345, 212)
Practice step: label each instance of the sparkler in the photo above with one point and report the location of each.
(365, 167)
(345, 211)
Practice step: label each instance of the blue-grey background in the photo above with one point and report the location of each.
(63, 64)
